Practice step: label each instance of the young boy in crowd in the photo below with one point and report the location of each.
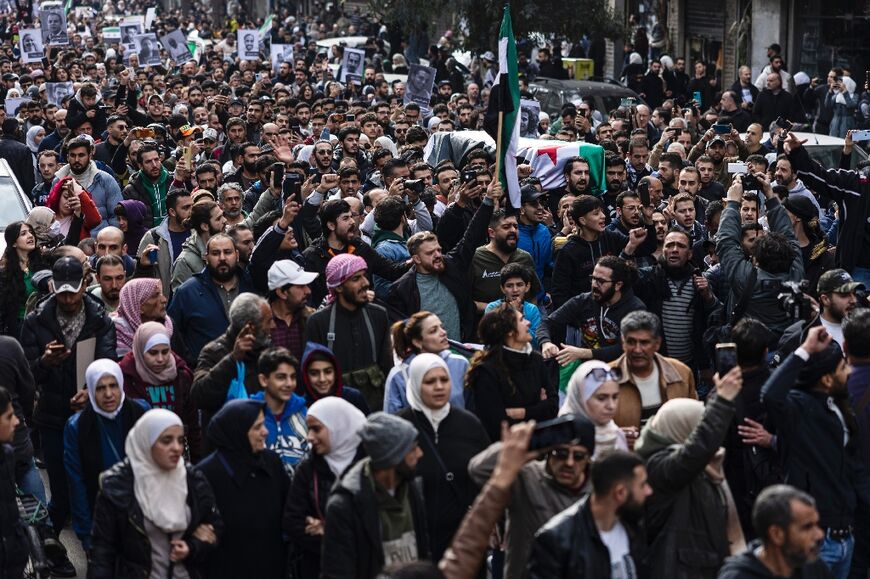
(285, 411)
(516, 282)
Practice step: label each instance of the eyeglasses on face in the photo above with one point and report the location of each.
(564, 453)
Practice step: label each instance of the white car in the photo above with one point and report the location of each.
(827, 150)
(14, 203)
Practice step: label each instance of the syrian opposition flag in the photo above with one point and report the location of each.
(504, 98)
(548, 159)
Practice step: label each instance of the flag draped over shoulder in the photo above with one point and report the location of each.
(504, 98)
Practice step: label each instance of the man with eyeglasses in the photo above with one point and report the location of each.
(321, 158)
(543, 489)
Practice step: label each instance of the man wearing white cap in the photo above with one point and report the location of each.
(288, 297)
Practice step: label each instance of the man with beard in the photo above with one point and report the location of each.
(807, 399)
(786, 521)
(670, 166)
(681, 298)
(340, 234)
(230, 200)
(711, 190)
(438, 282)
(577, 182)
(599, 536)
(206, 219)
(321, 157)
(101, 186)
(628, 213)
(117, 132)
(837, 298)
(587, 326)
(167, 238)
(200, 306)
(245, 337)
(636, 163)
(246, 175)
(577, 258)
(542, 490)
(615, 176)
(375, 515)
(149, 185)
(357, 331)
(535, 237)
(348, 138)
(714, 146)
(288, 298)
(53, 139)
(489, 259)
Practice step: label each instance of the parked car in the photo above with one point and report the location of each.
(605, 96)
(14, 203)
(827, 150)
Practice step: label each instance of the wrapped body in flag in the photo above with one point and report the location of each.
(456, 146)
(547, 158)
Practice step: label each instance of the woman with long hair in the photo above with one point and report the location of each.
(154, 516)
(333, 433)
(73, 208)
(593, 392)
(509, 380)
(449, 437)
(21, 259)
(421, 333)
(141, 300)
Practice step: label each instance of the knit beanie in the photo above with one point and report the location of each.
(387, 439)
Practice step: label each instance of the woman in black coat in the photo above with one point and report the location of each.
(449, 438)
(141, 526)
(333, 433)
(21, 259)
(691, 518)
(250, 486)
(508, 380)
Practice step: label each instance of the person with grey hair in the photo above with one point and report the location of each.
(648, 378)
(230, 360)
(786, 520)
(230, 197)
(201, 307)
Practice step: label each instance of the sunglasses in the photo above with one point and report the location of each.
(563, 453)
(602, 375)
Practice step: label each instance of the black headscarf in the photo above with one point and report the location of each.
(228, 433)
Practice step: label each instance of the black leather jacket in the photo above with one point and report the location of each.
(120, 546)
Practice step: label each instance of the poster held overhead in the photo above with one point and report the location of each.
(421, 81)
(353, 66)
(248, 42)
(31, 45)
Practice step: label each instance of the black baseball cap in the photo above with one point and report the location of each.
(837, 281)
(530, 193)
(68, 275)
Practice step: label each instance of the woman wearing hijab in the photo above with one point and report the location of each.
(333, 433)
(155, 517)
(160, 377)
(93, 440)
(843, 101)
(449, 438)
(593, 392)
(691, 518)
(131, 220)
(21, 259)
(141, 301)
(35, 134)
(250, 486)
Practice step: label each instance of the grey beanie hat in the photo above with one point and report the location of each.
(387, 439)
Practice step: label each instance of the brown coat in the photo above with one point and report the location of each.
(675, 381)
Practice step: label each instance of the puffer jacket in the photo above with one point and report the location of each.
(686, 516)
(190, 261)
(120, 546)
(57, 384)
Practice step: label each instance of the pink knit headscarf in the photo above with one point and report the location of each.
(340, 269)
(133, 294)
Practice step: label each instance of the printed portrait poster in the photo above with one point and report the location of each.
(31, 45)
(148, 49)
(12, 105)
(249, 44)
(53, 23)
(418, 89)
(353, 66)
(55, 92)
(176, 45)
(280, 53)
(131, 27)
(530, 113)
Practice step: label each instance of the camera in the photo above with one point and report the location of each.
(784, 123)
(468, 175)
(415, 185)
(790, 295)
(750, 182)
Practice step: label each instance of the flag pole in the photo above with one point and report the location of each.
(498, 145)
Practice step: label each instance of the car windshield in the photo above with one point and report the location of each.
(11, 206)
(829, 155)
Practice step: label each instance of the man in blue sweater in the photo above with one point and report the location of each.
(534, 235)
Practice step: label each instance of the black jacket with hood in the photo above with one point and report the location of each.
(340, 389)
(747, 566)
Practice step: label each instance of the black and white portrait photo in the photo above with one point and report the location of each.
(147, 49)
(31, 45)
(249, 44)
(280, 53)
(353, 65)
(55, 92)
(421, 80)
(530, 113)
(53, 21)
(176, 45)
(129, 31)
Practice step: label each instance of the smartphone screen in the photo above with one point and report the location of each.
(726, 357)
(277, 175)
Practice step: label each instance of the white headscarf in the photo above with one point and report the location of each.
(581, 388)
(31, 137)
(94, 373)
(343, 420)
(162, 494)
(421, 364)
(850, 88)
(388, 144)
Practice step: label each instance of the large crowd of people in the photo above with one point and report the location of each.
(279, 313)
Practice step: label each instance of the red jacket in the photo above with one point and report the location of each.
(175, 396)
(90, 213)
